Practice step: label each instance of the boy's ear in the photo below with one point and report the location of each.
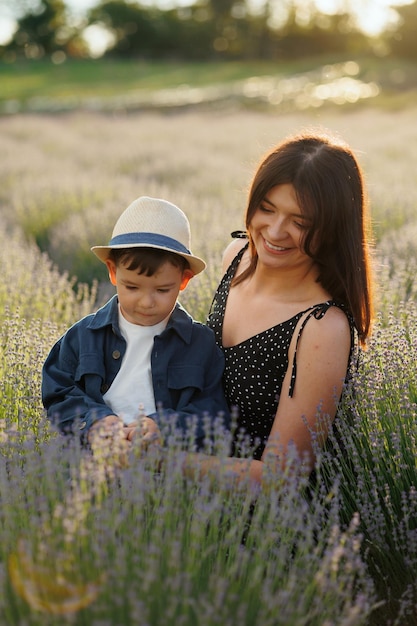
(187, 275)
(112, 271)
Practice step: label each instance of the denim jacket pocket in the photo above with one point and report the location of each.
(182, 376)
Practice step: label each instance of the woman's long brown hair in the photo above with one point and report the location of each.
(329, 185)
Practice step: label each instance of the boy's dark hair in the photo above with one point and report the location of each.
(146, 260)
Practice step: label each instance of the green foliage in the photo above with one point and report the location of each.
(224, 30)
(41, 29)
(115, 85)
(210, 29)
(135, 27)
(78, 81)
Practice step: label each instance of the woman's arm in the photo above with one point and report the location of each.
(322, 361)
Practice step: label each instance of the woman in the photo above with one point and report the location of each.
(293, 300)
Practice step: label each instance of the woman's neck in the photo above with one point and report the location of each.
(297, 284)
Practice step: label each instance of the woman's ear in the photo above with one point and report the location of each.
(112, 271)
(187, 274)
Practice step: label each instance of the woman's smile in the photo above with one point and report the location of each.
(273, 247)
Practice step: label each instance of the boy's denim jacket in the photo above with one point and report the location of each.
(187, 369)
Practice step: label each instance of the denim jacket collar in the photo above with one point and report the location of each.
(108, 315)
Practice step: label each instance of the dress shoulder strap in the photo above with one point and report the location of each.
(318, 311)
(224, 284)
(239, 234)
(231, 270)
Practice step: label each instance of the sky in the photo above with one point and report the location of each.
(373, 15)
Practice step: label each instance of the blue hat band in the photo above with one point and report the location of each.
(149, 239)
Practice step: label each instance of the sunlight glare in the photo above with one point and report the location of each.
(98, 39)
(7, 29)
(372, 16)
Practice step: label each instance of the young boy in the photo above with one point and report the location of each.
(141, 354)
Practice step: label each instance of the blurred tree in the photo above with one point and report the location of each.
(190, 32)
(134, 28)
(42, 28)
(403, 40)
(317, 33)
(229, 24)
(224, 29)
(149, 32)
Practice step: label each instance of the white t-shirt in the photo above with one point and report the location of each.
(131, 392)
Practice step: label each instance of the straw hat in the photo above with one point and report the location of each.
(152, 223)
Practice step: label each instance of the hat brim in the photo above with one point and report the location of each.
(196, 264)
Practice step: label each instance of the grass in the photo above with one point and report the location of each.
(42, 84)
(79, 545)
(24, 80)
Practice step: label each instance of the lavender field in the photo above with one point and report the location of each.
(82, 546)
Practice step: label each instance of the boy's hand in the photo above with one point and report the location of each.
(110, 427)
(147, 429)
(108, 442)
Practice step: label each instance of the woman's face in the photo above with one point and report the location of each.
(278, 227)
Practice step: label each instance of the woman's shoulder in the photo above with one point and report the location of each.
(231, 251)
(329, 322)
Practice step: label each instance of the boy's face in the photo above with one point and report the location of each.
(147, 300)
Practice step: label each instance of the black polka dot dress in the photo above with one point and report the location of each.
(255, 368)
